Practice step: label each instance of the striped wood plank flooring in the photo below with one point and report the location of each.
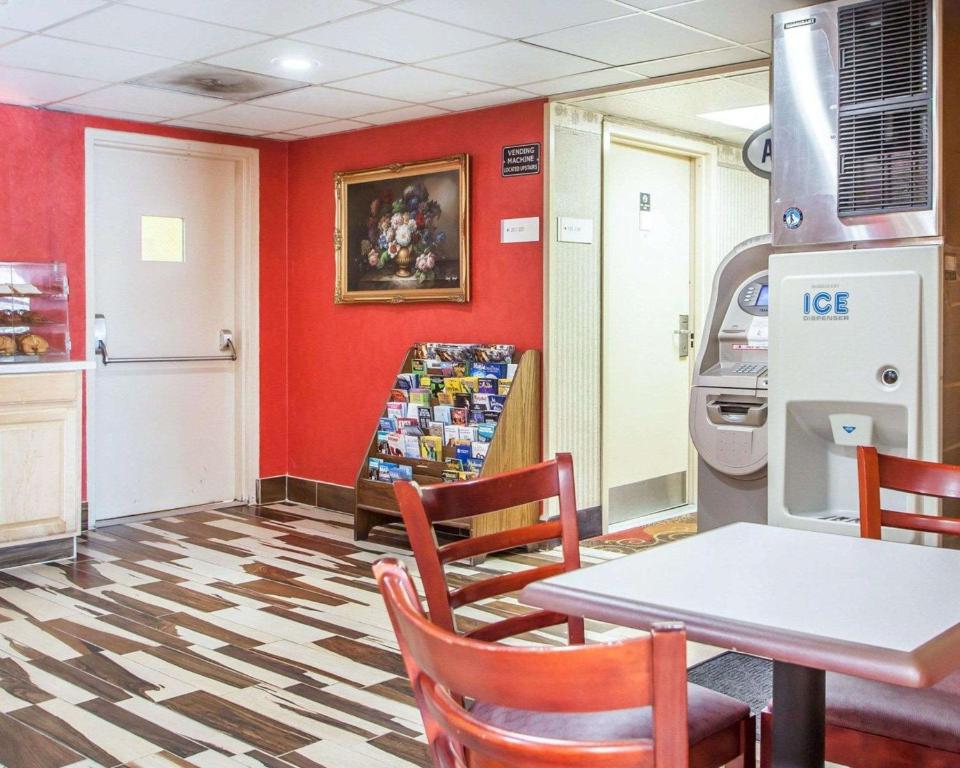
(227, 637)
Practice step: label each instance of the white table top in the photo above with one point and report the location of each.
(875, 609)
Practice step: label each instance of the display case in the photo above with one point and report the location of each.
(34, 323)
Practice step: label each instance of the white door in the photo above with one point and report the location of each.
(647, 257)
(164, 251)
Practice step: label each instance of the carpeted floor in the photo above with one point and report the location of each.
(645, 536)
(747, 678)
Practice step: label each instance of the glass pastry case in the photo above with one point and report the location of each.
(34, 323)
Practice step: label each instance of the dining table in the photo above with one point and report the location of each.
(812, 602)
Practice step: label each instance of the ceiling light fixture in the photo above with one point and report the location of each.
(749, 118)
(295, 63)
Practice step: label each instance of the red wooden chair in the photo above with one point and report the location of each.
(872, 724)
(422, 507)
(616, 705)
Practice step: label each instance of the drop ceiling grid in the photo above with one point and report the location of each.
(391, 60)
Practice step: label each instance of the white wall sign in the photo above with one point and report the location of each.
(574, 230)
(520, 230)
(758, 152)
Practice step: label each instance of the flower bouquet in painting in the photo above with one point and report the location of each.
(403, 234)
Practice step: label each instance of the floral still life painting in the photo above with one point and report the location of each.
(402, 232)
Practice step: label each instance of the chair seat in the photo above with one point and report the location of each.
(708, 712)
(929, 717)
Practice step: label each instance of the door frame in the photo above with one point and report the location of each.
(247, 177)
(704, 155)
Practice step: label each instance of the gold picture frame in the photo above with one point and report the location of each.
(403, 232)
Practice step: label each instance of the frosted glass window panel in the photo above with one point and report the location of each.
(161, 239)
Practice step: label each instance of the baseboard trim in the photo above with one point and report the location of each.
(40, 552)
(342, 498)
(302, 490)
(590, 522)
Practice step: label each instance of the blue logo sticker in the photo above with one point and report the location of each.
(792, 218)
(849, 430)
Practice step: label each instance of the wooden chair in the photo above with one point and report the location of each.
(616, 705)
(872, 724)
(423, 507)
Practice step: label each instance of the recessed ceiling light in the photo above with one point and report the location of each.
(295, 63)
(749, 118)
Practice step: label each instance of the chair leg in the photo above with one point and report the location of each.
(748, 745)
(766, 738)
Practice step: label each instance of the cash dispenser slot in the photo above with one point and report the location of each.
(747, 413)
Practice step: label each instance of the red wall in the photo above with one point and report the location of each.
(42, 219)
(342, 358)
(325, 369)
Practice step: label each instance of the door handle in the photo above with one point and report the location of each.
(100, 337)
(685, 340)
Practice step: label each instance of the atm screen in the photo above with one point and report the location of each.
(763, 298)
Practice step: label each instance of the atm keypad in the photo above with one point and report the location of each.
(749, 368)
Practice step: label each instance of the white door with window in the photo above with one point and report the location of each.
(168, 224)
(648, 248)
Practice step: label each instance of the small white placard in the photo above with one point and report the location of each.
(574, 230)
(520, 230)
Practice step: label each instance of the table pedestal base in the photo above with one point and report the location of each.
(799, 710)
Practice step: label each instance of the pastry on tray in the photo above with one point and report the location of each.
(33, 344)
(8, 345)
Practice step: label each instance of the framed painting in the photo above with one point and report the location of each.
(402, 232)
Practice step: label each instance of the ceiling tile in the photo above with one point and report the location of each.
(24, 86)
(490, 99)
(281, 136)
(185, 123)
(694, 61)
(631, 39)
(114, 113)
(763, 45)
(511, 64)
(743, 21)
(582, 82)
(32, 15)
(415, 112)
(6, 35)
(329, 64)
(649, 5)
(67, 57)
(318, 100)
(276, 17)
(414, 84)
(145, 101)
(398, 36)
(511, 18)
(338, 126)
(256, 118)
(136, 29)
(219, 82)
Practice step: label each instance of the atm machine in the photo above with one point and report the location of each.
(865, 300)
(728, 397)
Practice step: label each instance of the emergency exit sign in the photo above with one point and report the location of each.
(521, 160)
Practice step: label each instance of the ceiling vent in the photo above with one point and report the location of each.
(218, 82)
(884, 136)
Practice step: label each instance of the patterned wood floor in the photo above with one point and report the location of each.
(242, 636)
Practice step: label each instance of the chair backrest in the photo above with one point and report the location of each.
(926, 478)
(422, 507)
(444, 666)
